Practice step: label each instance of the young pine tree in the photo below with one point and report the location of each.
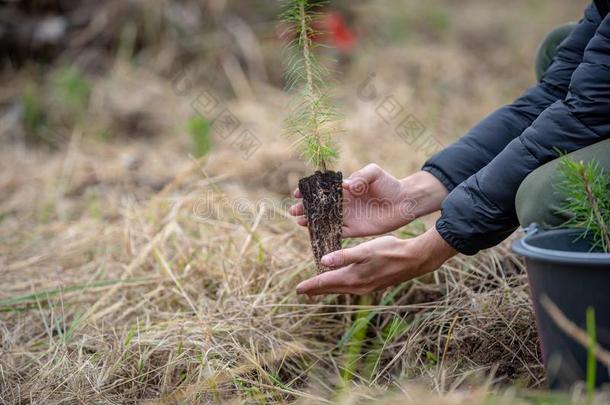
(313, 119)
(313, 124)
(587, 200)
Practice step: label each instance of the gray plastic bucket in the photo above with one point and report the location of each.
(560, 267)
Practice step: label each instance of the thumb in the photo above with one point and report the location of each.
(359, 181)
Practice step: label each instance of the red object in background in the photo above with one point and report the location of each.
(340, 35)
(332, 30)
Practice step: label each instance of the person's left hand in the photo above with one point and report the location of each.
(379, 263)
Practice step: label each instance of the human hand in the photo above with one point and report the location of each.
(375, 202)
(379, 263)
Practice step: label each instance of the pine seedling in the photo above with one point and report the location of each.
(587, 200)
(312, 121)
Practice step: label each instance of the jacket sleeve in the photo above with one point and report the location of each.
(480, 212)
(482, 143)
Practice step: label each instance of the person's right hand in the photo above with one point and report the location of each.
(375, 202)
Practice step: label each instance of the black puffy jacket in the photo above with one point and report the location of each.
(568, 110)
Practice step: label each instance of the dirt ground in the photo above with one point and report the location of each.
(145, 249)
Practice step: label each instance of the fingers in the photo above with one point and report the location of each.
(335, 281)
(331, 282)
(297, 210)
(344, 257)
(347, 232)
(352, 264)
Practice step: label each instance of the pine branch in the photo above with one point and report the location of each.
(595, 207)
(587, 200)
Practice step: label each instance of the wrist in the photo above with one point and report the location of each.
(426, 191)
(433, 250)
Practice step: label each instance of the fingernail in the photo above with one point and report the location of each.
(300, 288)
(348, 182)
(327, 260)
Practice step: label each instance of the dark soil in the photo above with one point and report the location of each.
(323, 202)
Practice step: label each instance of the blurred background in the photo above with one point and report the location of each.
(127, 125)
(139, 85)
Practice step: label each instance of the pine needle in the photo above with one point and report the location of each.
(587, 200)
(312, 120)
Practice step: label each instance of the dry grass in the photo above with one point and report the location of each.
(131, 271)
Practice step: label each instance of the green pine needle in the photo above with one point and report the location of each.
(313, 119)
(587, 200)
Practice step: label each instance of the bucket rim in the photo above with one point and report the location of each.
(524, 248)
